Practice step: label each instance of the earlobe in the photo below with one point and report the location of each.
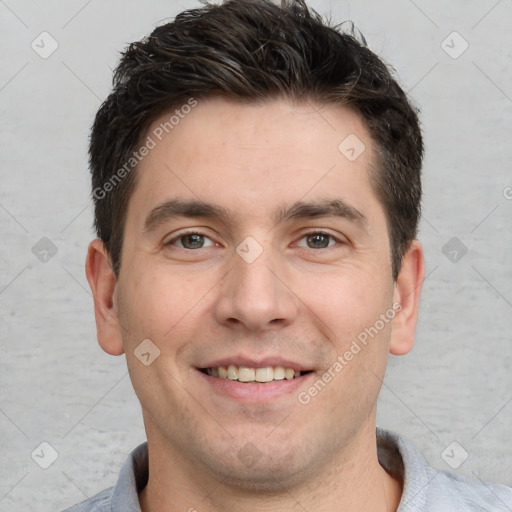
(102, 281)
(407, 293)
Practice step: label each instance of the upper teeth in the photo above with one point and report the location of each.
(246, 374)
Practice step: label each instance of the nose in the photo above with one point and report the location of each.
(255, 296)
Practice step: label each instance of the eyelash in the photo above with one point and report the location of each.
(173, 240)
(320, 232)
(182, 235)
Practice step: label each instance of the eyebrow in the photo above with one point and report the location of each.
(329, 208)
(184, 208)
(174, 208)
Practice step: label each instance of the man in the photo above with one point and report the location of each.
(256, 177)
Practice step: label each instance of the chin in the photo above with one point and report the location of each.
(266, 472)
(266, 479)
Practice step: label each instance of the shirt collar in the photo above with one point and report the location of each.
(133, 477)
(397, 456)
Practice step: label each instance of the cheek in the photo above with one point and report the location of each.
(348, 311)
(151, 303)
(168, 307)
(348, 302)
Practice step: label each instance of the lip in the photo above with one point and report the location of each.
(255, 392)
(252, 362)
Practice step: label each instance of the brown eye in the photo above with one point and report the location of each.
(317, 241)
(191, 241)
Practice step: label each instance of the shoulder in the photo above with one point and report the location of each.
(98, 503)
(429, 490)
(123, 497)
(470, 495)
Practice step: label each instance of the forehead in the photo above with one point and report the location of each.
(245, 157)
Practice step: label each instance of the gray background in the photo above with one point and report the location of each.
(57, 386)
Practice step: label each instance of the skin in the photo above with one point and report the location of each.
(297, 300)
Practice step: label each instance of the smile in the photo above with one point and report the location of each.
(248, 374)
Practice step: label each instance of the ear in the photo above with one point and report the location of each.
(103, 282)
(407, 293)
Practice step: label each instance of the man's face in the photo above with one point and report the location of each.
(251, 240)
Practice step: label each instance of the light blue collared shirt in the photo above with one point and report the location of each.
(425, 489)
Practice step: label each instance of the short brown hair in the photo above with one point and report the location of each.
(254, 51)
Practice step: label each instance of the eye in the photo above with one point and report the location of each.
(317, 240)
(191, 240)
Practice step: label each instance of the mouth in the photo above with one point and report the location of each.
(246, 374)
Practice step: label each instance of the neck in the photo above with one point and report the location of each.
(354, 481)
